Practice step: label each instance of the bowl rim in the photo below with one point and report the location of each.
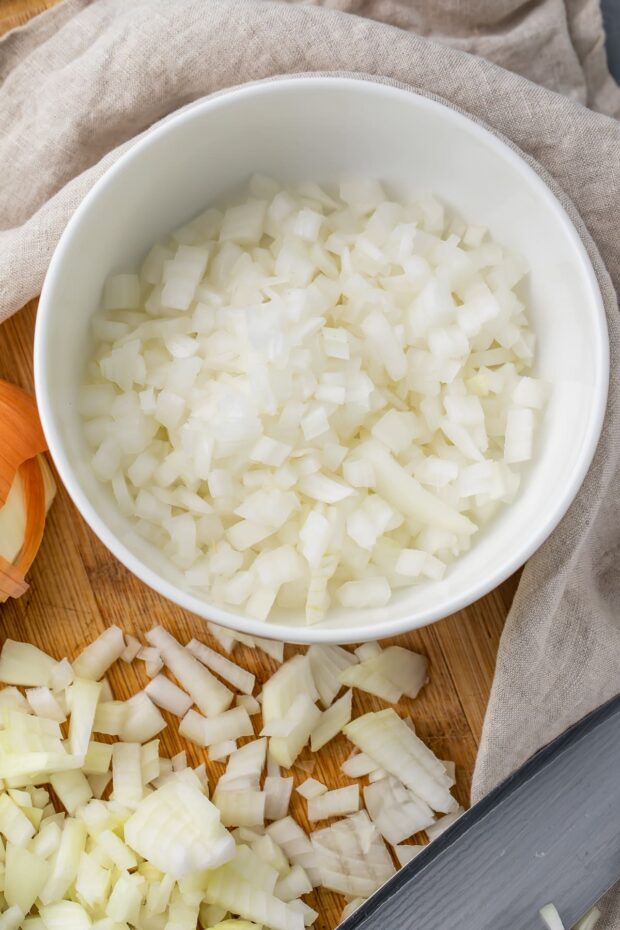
(321, 633)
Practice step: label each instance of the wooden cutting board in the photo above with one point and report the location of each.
(77, 589)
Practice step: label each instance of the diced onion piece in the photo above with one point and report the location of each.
(376, 775)
(251, 903)
(352, 858)
(127, 774)
(441, 825)
(293, 885)
(44, 704)
(65, 862)
(221, 750)
(334, 803)
(110, 718)
(326, 664)
(250, 867)
(551, 917)
(270, 852)
(322, 488)
(229, 671)
(271, 647)
(179, 830)
(106, 693)
(165, 694)
(142, 719)
(332, 721)
(23, 664)
(519, 438)
(367, 651)
(368, 592)
(277, 796)
(118, 851)
(408, 495)
(249, 760)
(11, 697)
(396, 812)
(209, 694)
(389, 674)
(358, 765)
(65, 915)
(94, 661)
(249, 703)
(450, 768)
(24, 878)
(230, 725)
(224, 637)
(349, 909)
(292, 679)
(131, 650)
(72, 789)
(296, 846)
(124, 903)
(84, 699)
(62, 675)
(381, 336)
(311, 788)
(305, 716)
(240, 808)
(406, 853)
(309, 914)
(14, 824)
(191, 727)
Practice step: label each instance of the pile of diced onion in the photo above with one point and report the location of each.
(138, 840)
(306, 399)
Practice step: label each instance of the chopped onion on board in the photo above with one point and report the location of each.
(137, 842)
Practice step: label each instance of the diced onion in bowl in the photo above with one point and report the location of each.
(297, 398)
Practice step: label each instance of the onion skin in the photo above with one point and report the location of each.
(34, 493)
(12, 575)
(21, 443)
(12, 582)
(21, 431)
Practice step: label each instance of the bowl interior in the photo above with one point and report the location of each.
(325, 130)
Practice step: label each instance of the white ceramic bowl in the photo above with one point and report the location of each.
(325, 129)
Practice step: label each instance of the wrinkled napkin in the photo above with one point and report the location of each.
(82, 81)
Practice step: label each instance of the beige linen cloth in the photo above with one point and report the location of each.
(83, 80)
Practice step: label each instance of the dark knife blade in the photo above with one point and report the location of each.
(549, 833)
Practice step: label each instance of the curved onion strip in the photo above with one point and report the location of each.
(34, 494)
(22, 435)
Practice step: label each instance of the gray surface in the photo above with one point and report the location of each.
(611, 19)
(551, 833)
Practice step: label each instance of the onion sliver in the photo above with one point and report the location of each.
(99, 655)
(229, 671)
(209, 694)
(387, 739)
(168, 696)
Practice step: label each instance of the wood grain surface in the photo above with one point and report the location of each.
(77, 589)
